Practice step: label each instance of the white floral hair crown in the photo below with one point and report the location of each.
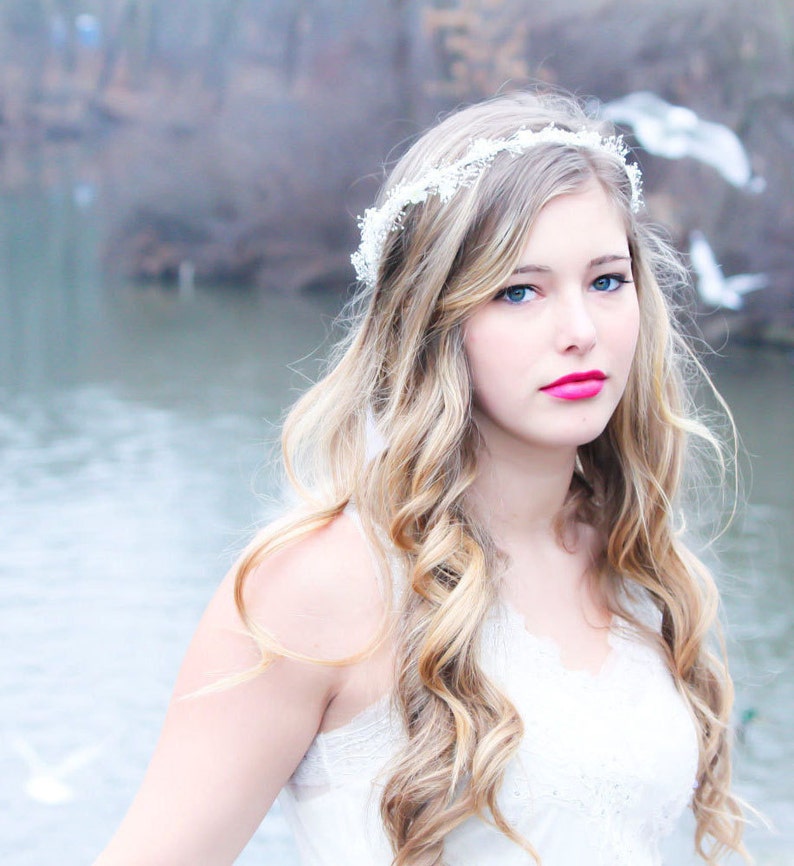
(378, 223)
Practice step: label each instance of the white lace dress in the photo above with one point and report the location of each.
(606, 766)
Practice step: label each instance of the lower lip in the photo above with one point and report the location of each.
(576, 390)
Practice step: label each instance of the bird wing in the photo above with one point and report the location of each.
(649, 116)
(77, 759)
(710, 281)
(641, 103)
(702, 258)
(29, 755)
(718, 146)
(744, 283)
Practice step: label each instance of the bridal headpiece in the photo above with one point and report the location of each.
(378, 223)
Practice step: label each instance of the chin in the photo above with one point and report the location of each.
(581, 436)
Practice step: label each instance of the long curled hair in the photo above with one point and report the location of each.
(402, 370)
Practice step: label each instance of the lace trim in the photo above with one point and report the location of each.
(547, 652)
(351, 752)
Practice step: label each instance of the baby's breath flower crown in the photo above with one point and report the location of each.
(378, 223)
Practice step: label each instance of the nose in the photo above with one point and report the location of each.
(576, 328)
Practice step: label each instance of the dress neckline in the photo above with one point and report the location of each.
(541, 646)
(549, 650)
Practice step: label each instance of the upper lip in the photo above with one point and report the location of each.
(576, 377)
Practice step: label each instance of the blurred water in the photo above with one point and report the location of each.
(132, 442)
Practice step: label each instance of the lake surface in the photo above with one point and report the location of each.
(134, 431)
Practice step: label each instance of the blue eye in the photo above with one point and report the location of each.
(517, 294)
(609, 282)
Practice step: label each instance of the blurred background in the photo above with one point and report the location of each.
(179, 181)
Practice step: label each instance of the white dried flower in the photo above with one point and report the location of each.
(444, 181)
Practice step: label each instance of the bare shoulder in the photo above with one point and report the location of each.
(318, 597)
(321, 595)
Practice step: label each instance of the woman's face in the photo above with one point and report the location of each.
(550, 353)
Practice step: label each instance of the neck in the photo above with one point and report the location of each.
(518, 493)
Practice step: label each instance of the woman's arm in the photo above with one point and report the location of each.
(223, 757)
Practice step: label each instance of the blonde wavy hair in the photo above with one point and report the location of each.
(402, 368)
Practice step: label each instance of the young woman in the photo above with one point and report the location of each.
(478, 638)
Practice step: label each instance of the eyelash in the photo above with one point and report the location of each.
(504, 293)
(618, 278)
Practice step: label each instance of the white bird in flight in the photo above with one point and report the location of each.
(713, 286)
(47, 782)
(673, 131)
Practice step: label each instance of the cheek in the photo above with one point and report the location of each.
(626, 332)
(488, 361)
(626, 344)
(482, 369)
(494, 342)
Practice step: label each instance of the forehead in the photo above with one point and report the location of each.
(585, 224)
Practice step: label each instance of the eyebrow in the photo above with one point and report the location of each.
(593, 263)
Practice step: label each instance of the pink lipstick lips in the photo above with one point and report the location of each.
(577, 386)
